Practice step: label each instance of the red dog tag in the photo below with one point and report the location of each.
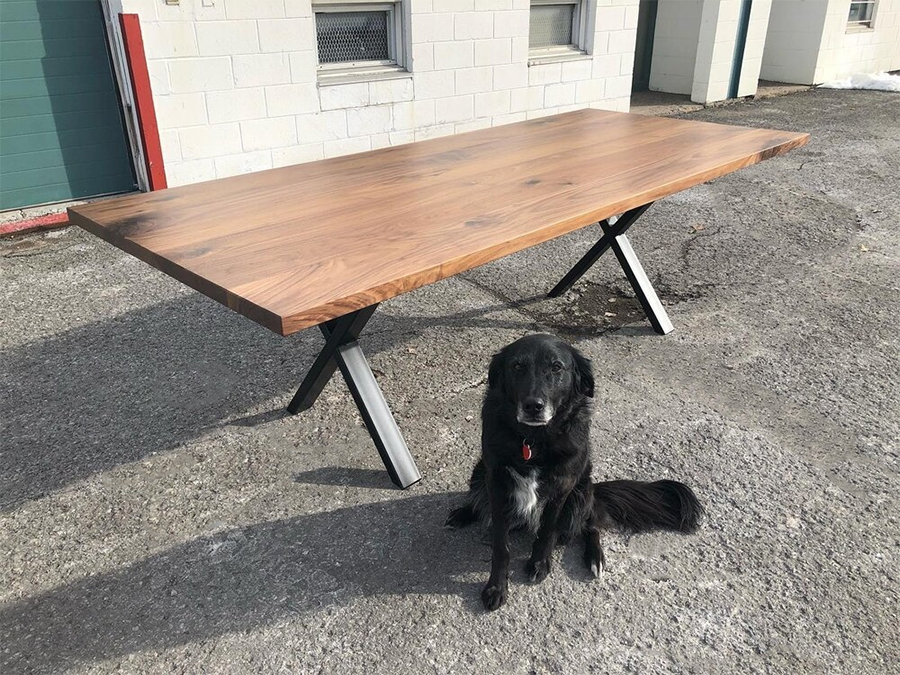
(526, 451)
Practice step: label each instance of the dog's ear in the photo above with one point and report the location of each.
(584, 375)
(496, 376)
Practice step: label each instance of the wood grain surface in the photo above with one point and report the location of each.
(296, 246)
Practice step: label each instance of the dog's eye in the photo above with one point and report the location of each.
(557, 367)
(518, 366)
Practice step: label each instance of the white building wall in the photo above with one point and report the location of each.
(675, 46)
(859, 50)
(809, 42)
(234, 81)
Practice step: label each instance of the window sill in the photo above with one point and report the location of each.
(357, 75)
(860, 29)
(535, 59)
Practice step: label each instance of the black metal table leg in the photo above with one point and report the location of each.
(643, 289)
(614, 237)
(342, 351)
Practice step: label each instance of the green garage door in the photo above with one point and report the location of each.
(61, 129)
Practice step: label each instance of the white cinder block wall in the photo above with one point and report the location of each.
(234, 81)
(694, 43)
(809, 42)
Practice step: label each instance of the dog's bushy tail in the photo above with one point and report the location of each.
(636, 506)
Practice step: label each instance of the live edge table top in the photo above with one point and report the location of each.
(293, 247)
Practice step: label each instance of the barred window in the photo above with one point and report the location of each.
(557, 28)
(357, 38)
(861, 14)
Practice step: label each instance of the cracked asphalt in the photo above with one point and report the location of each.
(160, 513)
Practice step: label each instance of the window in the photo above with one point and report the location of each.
(557, 29)
(358, 40)
(861, 14)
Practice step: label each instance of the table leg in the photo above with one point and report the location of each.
(614, 237)
(342, 351)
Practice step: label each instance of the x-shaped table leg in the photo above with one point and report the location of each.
(342, 351)
(614, 238)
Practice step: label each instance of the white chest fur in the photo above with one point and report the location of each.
(525, 503)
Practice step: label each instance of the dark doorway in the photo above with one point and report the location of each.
(643, 47)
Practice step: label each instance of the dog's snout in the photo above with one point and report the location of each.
(533, 405)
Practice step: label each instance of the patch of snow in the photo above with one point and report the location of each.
(877, 81)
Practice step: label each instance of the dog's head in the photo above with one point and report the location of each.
(539, 375)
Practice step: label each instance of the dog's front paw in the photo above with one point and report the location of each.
(537, 570)
(494, 596)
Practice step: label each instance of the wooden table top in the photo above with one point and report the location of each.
(296, 246)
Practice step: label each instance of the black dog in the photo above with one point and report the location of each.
(535, 467)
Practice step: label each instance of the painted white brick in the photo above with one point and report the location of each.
(380, 141)
(226, 38)
(211, 74)
(589, 91)
(492, 52)
(169, 39)
(246, 162)
(435, 132)
(277, 132)
(608, 65)
(297, 8)
(255, 9)
(433, 84)
(180, 110)
(212, 140)
(452, 55)
(189, 11)
(559, 94)
(545, 73)
(258, 70)
(484, 5)
(511, 24)
(347, 146)
(474, 80)
(611, 18)
(236, 105)
(286, 35)
(511, 76)
(621, 41)
(543, 112)
(472, 125)
(326, 126)
(291, 99)
(170, 145)
(431, 28)
(520, 49)
(303, 66)
(413, 115)
(422, 57)
(337, 96)
(512, 118)
(298, 154)
(391, 91)
(473, 26)
(618, 86)
(159, 78)
(402, 137)
(577, 70)
(454, 109)
(492, 103)
(453, 5)
(518, 99)
(374, 119)
(184, 173)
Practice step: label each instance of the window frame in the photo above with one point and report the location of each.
(866, 24)
(352, 71)
(577, 49)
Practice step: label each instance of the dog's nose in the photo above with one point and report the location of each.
(533, 405)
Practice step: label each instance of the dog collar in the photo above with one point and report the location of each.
(526, 450)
